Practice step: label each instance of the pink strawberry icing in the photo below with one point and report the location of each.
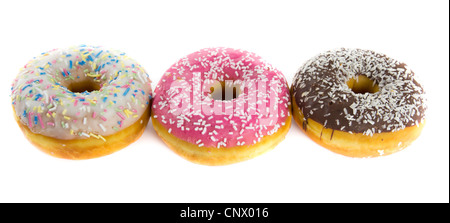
(184, 105)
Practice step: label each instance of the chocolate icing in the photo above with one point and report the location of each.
(320, 91)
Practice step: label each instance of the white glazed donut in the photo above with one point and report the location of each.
(82, 102)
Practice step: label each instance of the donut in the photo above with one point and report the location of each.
(358, 103)
(82, 102)
(219, 106)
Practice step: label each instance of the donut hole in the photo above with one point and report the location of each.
(86, 85)
(362, 84)
(225, 91)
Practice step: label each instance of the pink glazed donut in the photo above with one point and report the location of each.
(220, 106)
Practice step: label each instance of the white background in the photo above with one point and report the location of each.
(285, 33)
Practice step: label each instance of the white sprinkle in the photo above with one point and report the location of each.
(102, 127)
(85, 135)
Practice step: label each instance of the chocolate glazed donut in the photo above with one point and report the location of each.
(358, 103)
